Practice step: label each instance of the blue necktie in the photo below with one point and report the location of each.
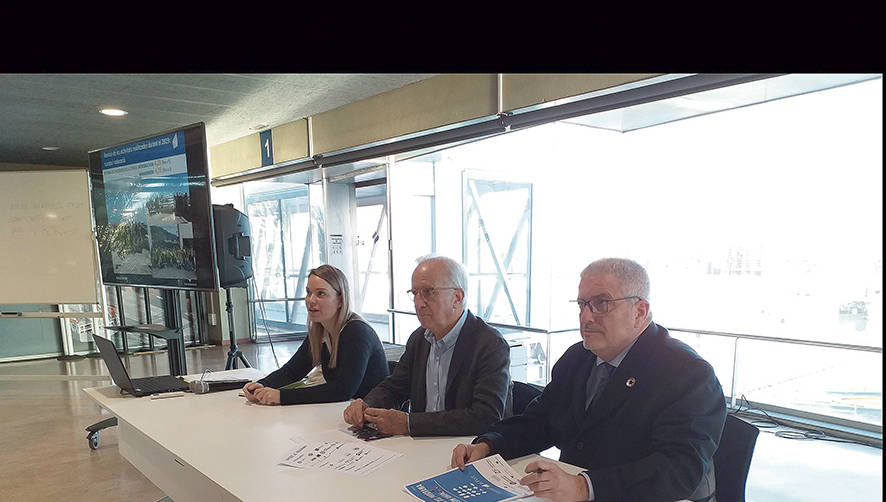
(597, 382)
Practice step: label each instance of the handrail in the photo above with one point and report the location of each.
(802, 415)
(264, 300)
(796, 341)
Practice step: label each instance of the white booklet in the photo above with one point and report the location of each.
(489, 479)
(330, 453)
(223, 375)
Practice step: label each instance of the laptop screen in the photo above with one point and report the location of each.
(114, 363)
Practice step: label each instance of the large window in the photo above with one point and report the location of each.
(372, 282)
(760, 226)
(279, 217)
(496, 246)
(763, 221)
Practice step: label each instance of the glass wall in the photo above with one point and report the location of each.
(764, 220)
(372, 282)
(280, 221)
(291, 219)
(143, 306)
(758, 225)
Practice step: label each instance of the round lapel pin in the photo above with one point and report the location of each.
(631, 382)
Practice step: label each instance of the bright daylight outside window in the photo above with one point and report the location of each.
(764, 220)
(281, 242)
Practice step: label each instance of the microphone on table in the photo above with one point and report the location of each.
(203, 387)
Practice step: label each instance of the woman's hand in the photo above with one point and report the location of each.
(267, 396)
(249, 391)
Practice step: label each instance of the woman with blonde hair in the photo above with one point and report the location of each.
(341, 342)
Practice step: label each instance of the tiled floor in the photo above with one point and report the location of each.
(44, 412)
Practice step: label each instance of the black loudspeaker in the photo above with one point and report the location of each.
(232, 246)
(234, 258)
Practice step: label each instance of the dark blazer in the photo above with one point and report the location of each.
(649, 436)
(476, 388)
(361, 365)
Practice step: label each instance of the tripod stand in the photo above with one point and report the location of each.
(234, 352)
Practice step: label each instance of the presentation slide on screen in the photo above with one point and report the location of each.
(149, 209)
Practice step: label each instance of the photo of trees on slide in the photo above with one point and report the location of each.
(149, 230)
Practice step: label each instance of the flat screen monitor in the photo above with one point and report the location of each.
(153, 214)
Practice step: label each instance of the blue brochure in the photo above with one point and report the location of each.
(487, 480)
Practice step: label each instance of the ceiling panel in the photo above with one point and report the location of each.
(62, 109)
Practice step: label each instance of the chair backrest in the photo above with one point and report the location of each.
(524, 393)
(732, 460)
(404, 406)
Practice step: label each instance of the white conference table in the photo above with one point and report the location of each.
(219, 447)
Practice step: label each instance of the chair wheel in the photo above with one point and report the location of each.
(92, 440)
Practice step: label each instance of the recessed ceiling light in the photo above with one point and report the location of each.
(113, 112)
(258, 127)
(51, 148)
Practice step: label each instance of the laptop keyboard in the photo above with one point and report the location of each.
(165, 383)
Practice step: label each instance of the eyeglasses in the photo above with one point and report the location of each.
(600, 305)
(425, 293)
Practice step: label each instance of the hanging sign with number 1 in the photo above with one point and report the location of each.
(267, 148)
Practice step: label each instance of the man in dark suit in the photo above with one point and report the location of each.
(454, 370)
(641, 411)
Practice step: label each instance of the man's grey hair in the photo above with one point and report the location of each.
(455, 272)
(631, 275)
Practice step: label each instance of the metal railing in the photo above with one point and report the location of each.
(800, 414)
(268, 300)
(796, 341)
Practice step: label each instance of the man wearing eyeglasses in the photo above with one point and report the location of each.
(453, 375)
(640, 411)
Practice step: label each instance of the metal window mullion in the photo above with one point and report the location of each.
(303, 268)
(120, 314)
(391, 324)
(528, 318)
(148, 316)
(201, 317)
(283, 255)
(433, 202)
(734, 390)
(381, 221)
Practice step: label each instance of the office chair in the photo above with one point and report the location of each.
(732, 460)
(523, 394)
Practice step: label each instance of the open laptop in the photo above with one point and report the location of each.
(135, 386)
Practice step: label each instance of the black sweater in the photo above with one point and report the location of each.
(361, 365)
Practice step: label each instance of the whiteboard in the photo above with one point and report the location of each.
(47, 249)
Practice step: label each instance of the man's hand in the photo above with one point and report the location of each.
(554, 483)
(467, 453)
(268, 396)
(391, 422)
(249, 391)
(354, 412)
